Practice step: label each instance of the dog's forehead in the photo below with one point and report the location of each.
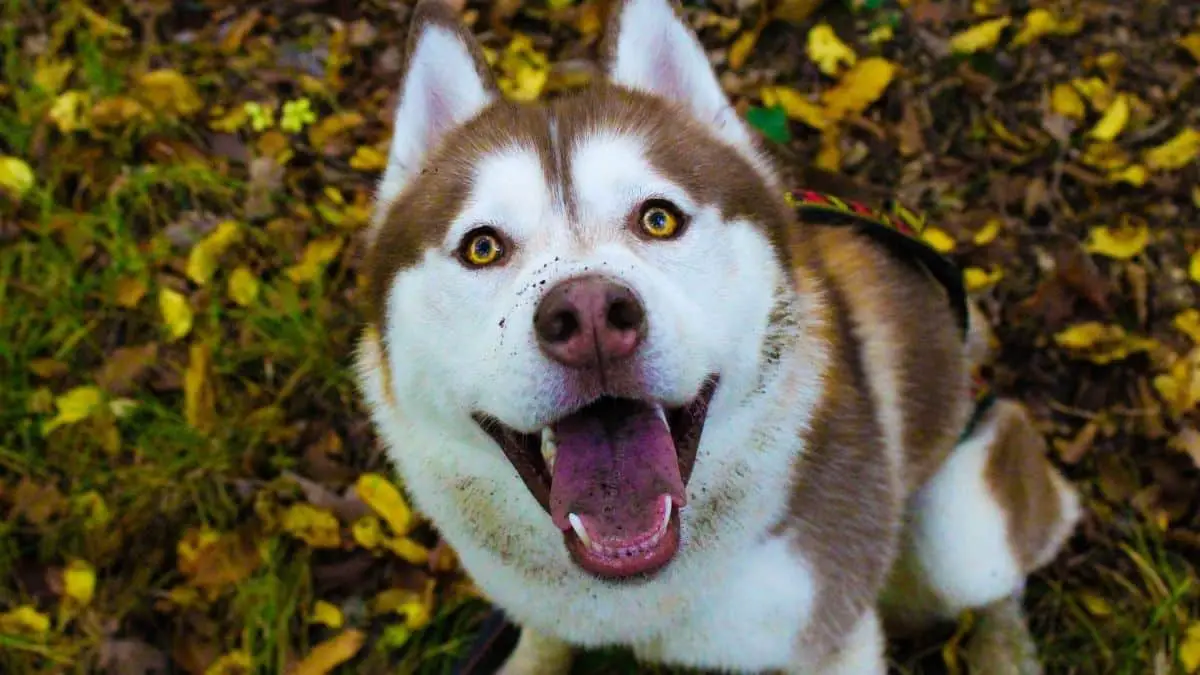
(573, 158)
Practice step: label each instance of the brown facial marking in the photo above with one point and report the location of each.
(1018, 474)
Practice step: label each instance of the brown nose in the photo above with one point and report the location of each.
(589, 321)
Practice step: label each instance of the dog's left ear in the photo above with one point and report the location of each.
(651, 49)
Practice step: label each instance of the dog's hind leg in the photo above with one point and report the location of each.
(538, 654)
(995, 512)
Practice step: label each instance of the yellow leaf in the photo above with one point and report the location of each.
(981, 36)
(1100, 343)
(1176, 153)
(1188, 322)
(829, 156)
(407, 550)
(1189, 651)
(68, 110)
(24, 620)
(231, 120)
(860, 87)
(233, 663)
(334, 125)
(52, 74)
(523, 70)
(1191, 43)
(977, 279)
(99, 25)
(317, 527)
(367, 158)
(1194, 267)
(176, 313)
(79, 582)
(1066, 101)
(75, 406)
(327, 614)
(202, 261)
(1122, 242)
(827, 51)
(168, 91)
(988, 233)
(1039, 22)
(384, 499)
(795, 105)
(16, 178)
(129, 292)
(296, 114)
(118, 110)
(243, 286)
(331, 653)
(1096, 605)
(740, 50)
(1179, 387)
(199, 394)
(317, 254)
(1095, 90)
(367, 532)
(415, 606)
(1135, 175)
(939, 239)
(1114, 120)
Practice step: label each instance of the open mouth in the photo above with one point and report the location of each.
(612, 476)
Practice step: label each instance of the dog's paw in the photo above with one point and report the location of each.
(1001, 643)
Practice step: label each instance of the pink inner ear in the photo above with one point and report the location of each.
(665, 74)
(439, 116)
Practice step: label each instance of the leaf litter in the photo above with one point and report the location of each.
(186, 473)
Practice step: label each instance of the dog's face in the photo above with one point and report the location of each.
(585, 290)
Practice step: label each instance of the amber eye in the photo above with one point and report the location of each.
(481, 247)
(660, 219)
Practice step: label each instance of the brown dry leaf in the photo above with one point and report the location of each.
(795, 11)
(331, 653)
(199, 389)
(117, 111)
(37, 502)
(48, 368)
(329, 128)
(212, 560)
(1187, 441)
(125, 366)
(860, 87)
(1071, 451)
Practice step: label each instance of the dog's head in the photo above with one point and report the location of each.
(578, 285)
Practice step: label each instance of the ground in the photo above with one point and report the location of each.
(187, 476)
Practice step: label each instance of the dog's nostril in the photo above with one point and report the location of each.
(560, 326)
(625, 314)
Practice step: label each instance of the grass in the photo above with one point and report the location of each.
(118, 205)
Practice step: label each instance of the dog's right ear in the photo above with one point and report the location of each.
(446, 82)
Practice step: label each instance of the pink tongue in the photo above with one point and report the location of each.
(615, 461)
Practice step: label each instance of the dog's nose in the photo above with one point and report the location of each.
(589, 321)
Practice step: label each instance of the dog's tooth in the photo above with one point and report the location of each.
(662, 413)
(549, 449)
(666, 516)
(577, 525)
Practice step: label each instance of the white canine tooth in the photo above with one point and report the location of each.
(666, 517)
(549, 448)
(577, 525)
(662, 414)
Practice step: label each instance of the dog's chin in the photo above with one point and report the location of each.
(612, 476)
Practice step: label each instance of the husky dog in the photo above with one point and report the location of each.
(650, 407)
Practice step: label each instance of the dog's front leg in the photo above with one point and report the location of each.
(538, 654)
(862, 652)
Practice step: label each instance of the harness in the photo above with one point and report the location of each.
(900, 229)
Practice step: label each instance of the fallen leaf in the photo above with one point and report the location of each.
(1135, 175)
(327, 614)
(740, 50)
(977, 279)
(296, 114)
(771, 122)
(118, 111)
(524, 70)
(1179, 387)
(939, 239)
(1188, 322)
(48, 368)
(331, 653)
(321, 133)
(795, 11)
(988, 233)
(176, 313)
(860, 87)
(407, 550)
(233, 663)
(367, 158)
(168, 91)
(317, 254)
(198, 389)
(1181, 150)
(16, 178)
(316, 527)
(129, 292)
(415, 606)
(243, 286)
(385, 500)
(1100, 343)
(1191, 43)
(125, 366)
(829, 155)
(979, 37)
(1187, 441)
(1095, 604)
(1114, 120)
(795, 105)
(1123, 242)
(205, 255)
(69, 111)
(827, 51)
(1194, 267)
(37, 502)
(75, 406)
(1189, 650)
(79, 583)
(1066, 101)
(24, 620)
(1040, 22)
(212, 561)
